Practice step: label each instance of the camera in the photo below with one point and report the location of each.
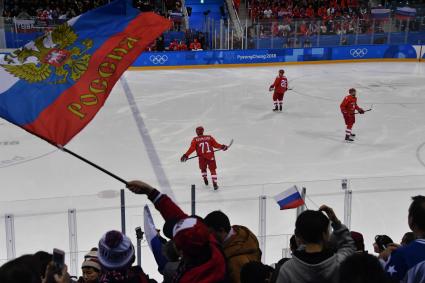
(139, 233)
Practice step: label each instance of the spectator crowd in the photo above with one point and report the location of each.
(305, 18)
(48, 12)
(212, 250)
(51, 12)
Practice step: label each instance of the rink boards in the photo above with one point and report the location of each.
(258, 57)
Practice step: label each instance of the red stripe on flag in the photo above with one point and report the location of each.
(78, 105)
(294, 204)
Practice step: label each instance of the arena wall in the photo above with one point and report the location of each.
(226, 58)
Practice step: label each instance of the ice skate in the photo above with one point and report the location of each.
(275, 108)
(352, 135)
(280, 107)
(348, 138)
(205, 181)
(215, 186)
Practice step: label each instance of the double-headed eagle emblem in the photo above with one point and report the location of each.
(54, 57)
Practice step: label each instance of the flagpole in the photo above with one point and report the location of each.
(92, 164)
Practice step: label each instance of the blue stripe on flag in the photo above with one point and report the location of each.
(291, 198)
(156, 246)
(153, 239)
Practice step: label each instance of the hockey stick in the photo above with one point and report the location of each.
(364, 111)
(286, 90)
(230, 144)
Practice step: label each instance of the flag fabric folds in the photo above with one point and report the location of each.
(153, 239)
(404, 13)
(54, 86)
(291, 198)
(381, 13)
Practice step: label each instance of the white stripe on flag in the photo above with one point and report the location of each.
(286, 193)
(149, 226)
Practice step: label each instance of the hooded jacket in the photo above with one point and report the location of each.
(319, 267)
(241, 248)
(210, 270)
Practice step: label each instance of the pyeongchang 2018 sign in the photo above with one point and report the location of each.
(216, 57)
(255, 57)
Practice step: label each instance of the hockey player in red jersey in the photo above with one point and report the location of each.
(204, 146)
(280, 86)
(348, 107)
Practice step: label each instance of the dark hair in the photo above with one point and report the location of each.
(362, 268)
(407, 238)
(417, 212)
(24, 269)
(382, 241)
(216, 220)
(43, 259)
(310, 226)
(255, 272)
(293, 246)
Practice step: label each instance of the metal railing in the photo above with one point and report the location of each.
(223, 34)
(226, 34)
(314, 33)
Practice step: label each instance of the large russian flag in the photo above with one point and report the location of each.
(291, 198)
(53, 87)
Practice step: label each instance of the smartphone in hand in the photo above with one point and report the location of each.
(58, 260)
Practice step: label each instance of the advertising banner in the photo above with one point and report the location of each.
(256, 56)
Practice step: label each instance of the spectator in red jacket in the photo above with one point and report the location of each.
(202, 260)
(195, 45)
(309, 12)
(174, 45)
(182, 46)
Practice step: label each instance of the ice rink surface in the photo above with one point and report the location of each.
(150, 118)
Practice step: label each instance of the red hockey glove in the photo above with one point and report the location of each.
(361, 111)
(183, 158)
(224, 147)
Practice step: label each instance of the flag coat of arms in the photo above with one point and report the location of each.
(54, 86)
(291, 198)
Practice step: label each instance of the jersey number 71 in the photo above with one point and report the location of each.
(205, 147)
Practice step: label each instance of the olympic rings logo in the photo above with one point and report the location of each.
(158, 59)
(359, 52)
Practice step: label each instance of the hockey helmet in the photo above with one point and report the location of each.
(200, 131)
(281, 71)
(352, 91)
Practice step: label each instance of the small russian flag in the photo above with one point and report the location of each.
(153, 239)
(291, 198)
